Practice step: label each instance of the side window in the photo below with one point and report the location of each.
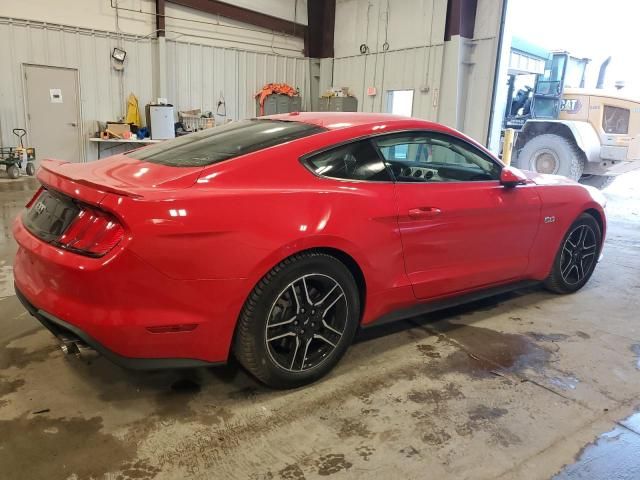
(615, 120)
(435, 157)
(354, 161)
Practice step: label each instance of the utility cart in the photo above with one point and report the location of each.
(14, 157)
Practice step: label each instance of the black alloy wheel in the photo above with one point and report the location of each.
(306, 322)
(298, 321)
(577, 256)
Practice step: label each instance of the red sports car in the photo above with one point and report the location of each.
(274, 239)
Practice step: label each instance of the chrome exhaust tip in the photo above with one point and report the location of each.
(85, 352)
(77, 348)
(69, 348)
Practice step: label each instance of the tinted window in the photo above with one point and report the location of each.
(354, 161)
(434, 157)
(615, 120)
(225, 142)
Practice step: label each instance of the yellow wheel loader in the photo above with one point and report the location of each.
(588, 135)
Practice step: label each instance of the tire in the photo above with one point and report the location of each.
(31, 169)
(13, 171)
(550, 153)
(577, 256)
(599, 181)
(278, 308)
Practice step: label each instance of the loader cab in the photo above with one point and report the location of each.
(561, 71)
(526, 62)
(536, 80)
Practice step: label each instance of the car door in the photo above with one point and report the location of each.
(460, 228)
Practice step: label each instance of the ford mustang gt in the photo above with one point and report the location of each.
(275, 239)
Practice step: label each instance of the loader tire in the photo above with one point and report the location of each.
(599, 181)
(550, 153)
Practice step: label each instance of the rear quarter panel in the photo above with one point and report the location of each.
(244, 216)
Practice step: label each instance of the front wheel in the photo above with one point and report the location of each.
(577, 257)
(13, 171)
(298, 321)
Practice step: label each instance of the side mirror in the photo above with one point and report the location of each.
(510, 177)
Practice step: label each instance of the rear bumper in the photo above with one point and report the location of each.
(116, 304)
(65, 332)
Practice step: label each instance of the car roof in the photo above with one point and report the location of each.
(357, 121)
(340, 120)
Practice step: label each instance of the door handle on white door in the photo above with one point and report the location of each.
(73, 124)
(424, 212)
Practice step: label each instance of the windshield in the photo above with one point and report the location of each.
(222, 143)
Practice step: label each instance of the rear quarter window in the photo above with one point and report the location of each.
(354, 161)
(225, 142)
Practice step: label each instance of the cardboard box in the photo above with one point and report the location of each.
(118, 129)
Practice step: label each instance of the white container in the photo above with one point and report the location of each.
(161, 122)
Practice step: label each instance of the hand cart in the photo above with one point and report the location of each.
(14, 157)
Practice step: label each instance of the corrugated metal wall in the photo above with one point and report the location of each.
(89, 51)
(417, 69)
(200, 75)
(197, 74)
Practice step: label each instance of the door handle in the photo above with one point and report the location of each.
(73, 124)
(424, 212)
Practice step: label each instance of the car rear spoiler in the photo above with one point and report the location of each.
(51, 173)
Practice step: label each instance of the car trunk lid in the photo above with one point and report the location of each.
(119, 174)
(69, 212)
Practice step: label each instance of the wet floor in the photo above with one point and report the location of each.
(615, 455)
(526, 385)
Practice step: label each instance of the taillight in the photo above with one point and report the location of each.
(34, 198)
(92, 233)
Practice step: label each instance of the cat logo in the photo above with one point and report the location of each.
(549, 219)
(570, 105)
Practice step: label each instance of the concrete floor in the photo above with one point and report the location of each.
(519, 386)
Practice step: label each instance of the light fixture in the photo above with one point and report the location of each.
(118, 54)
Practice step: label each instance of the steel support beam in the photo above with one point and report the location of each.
(160, 20)
(461, 18)
(244, 15)
(321, 15)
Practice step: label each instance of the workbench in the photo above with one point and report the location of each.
(112, 143)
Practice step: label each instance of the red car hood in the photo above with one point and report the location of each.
(122, 174)
(546, 179)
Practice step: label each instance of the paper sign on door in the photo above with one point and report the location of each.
(56, 95)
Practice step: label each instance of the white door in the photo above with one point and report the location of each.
(53, 113)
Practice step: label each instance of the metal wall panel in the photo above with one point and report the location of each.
(103, 90)
(200, 75)
(417, 69)
(197, 74)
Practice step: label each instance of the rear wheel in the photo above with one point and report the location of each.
(13, 171)
(576, 260)
(550, 153)
(298, 321)
(31, 169)
(599, 181)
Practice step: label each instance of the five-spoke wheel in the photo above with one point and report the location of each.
(578, 254)
(298, 321)
(577, 257)
(306, 322)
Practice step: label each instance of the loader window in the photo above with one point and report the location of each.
(615, 120)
